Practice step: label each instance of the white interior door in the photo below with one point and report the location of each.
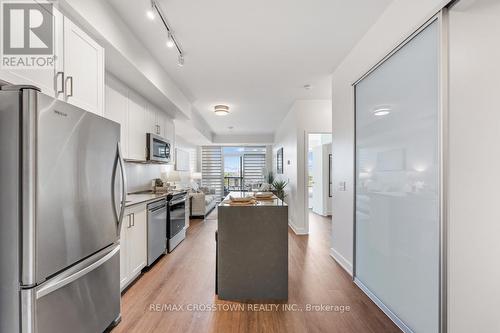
(317, 178)
(84, 69)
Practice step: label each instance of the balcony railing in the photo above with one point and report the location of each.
(238, 184)
(233, 183)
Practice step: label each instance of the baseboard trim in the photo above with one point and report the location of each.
(297, 231)
(341, 260)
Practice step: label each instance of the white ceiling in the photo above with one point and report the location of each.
(255, 56)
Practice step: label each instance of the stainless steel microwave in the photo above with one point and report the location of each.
(159, 149)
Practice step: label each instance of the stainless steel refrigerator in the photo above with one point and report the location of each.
(62, 186)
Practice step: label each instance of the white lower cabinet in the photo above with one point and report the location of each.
(133, 244)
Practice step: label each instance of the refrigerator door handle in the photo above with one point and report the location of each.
(74, 274)
(28, 183)
(119, 215)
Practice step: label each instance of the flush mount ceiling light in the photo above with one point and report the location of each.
(171, 40)
(221, 110)
(382, 111)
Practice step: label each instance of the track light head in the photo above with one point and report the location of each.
(170, 41)
(181, 60)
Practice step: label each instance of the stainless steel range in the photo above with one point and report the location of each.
(176, 219)
(63, 197)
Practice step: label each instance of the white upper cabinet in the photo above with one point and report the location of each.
(50, 81)
(151, 120)
(137, 129)
(136, 116)
(116, 109)
(78, 73)
(84, 69)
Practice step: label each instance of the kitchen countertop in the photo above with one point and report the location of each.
(138, 198)
(276, 202)
(146, 197)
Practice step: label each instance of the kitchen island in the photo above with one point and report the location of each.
(252, 250)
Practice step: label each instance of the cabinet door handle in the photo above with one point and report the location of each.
(70, 79)
(60, 91)
(133, 220)
(129, 216)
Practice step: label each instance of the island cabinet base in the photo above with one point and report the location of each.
(252, 252)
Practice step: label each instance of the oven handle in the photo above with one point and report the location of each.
(173, 203)
(154, 210)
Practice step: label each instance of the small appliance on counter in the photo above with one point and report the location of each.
(176, 219)
(159, 186)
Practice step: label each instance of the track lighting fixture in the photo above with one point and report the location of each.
(171, 40)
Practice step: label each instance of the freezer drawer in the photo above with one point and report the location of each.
(84, 301)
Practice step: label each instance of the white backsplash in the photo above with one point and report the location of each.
(139, 176)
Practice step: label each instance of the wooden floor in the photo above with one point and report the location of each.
(185, 278)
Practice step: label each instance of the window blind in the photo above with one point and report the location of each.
(253, 168)
(212, 169)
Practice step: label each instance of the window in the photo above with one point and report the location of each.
(211, 169)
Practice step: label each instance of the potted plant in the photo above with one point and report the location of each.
(270, 177)
(279, 186)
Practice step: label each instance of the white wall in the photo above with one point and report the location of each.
(474, 177)
(399, 20)
(304, 116)
(181, 143)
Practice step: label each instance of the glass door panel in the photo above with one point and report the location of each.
(397, 183)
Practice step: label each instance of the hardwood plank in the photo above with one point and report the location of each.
(187, 276)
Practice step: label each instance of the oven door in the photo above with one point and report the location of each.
(158, 148)
(177, 217)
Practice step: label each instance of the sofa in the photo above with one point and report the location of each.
(203, 202)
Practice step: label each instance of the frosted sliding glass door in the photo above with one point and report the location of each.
(397, 184)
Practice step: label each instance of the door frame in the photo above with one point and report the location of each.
(441, 18)
(305, 176)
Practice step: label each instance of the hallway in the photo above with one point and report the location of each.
(185, 278)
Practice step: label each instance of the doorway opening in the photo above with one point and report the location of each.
(318, 177)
